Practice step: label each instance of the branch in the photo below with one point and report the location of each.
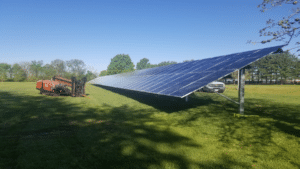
(291, 36)
(276, 3)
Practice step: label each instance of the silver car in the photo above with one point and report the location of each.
(214, 87)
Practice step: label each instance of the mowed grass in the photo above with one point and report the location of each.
(113, 128)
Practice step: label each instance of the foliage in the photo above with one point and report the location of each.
(119, 64)
(49, 71)
(26, 67)
(34, 71)
(143, 64)
(18, 73)
(188, 60)
(90, 75)
(287, 27)
(59, 66)
(103, 73)
(77, 67)
(31, 78)
(165, 63)
(274, 67)
(286, 64)
(69, 75)
(4, 68)
(36, 67)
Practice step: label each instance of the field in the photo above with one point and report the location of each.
(118, 129)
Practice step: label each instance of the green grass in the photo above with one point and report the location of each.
(111, 128)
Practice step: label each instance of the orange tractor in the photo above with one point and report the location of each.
(59, 86)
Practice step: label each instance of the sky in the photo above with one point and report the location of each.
(95, 31)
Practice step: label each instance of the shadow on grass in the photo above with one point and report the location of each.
(161, 102)
(48, 132)
(275, 120)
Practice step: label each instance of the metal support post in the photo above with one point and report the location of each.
(186, 98)
(241, 90)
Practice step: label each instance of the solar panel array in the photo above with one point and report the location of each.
(179, 80)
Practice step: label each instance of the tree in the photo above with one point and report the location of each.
(77, 67)
(49, 71)
(103, 73)
(234, 75)
(263, 66)
(288, 26)
(4, 68)
(286, 65)
(119, 64)
(90, 75)
(188, 60)
(143, 64)
(59, 66)
(18, 73)
(165, 63)
(152, 65)
(26, 67)
(297, 70)
(36, 67)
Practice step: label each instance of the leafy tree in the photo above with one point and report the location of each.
(4, 68)
(286, 65)
(297, 70)
(18, 73)
(77, 67)
(103, 73)
(167, 63)
(119, 64)
(164, 63)
(36, 67)
(143, 64)
(26, 67)
(59, 66)
(90, 75)
(188, 60)
(49, 71)
(69, 75)
(287, 27)
(263, 66)
(235, 75)
(152, 66)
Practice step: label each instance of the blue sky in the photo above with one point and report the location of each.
(160, 30)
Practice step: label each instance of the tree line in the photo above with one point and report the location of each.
(35, 70)
(277, 68)
(122, 63)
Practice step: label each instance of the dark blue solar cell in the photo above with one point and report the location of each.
(181, 79)
(166, 82)
(157, 82)
(146, 84)
(177, 85)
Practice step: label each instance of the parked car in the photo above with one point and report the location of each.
(214, 87)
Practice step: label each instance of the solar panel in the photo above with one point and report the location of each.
(180, 80)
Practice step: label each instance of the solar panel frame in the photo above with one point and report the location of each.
(182, 79)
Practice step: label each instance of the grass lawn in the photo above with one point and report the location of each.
(113, 128)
